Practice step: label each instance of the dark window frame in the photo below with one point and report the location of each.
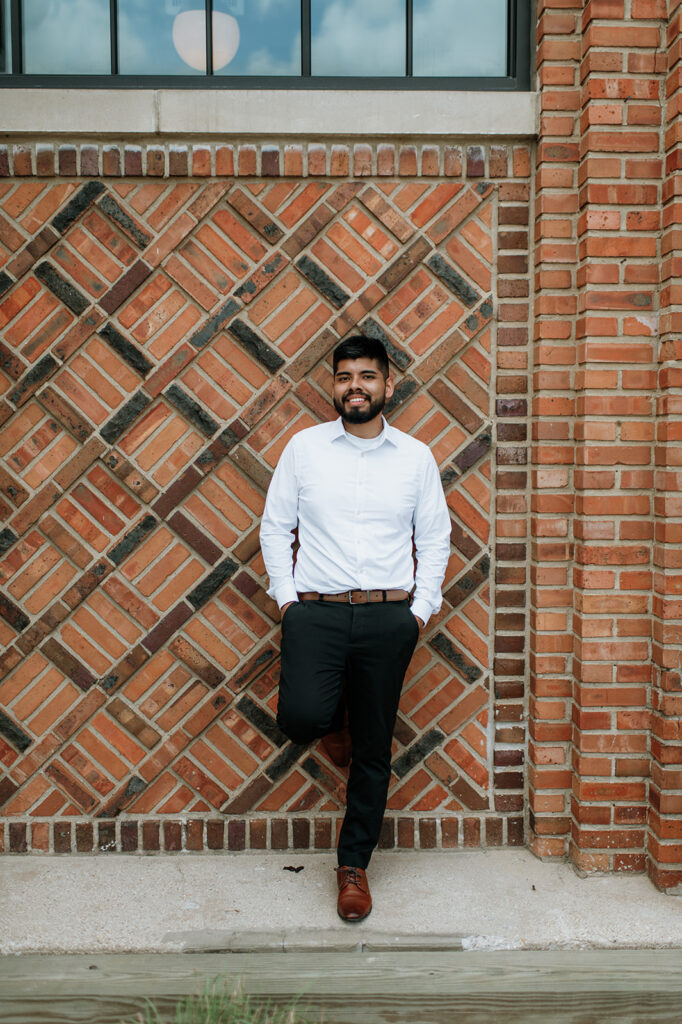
(517, 79)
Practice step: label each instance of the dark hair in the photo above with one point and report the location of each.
(359, 346)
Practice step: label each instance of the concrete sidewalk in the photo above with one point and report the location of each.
(474, 900)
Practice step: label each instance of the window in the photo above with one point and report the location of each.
(266, 43)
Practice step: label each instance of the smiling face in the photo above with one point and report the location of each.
(360, 392)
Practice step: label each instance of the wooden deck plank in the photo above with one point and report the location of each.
(564, 986)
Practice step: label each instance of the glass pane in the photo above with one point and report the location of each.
(5, 39)
(358, 37)
(152, 35)
(460, 38)
(267, 34)
(66, 37)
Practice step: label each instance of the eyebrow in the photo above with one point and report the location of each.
(364, 373)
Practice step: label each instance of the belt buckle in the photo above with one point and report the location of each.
(351, 601)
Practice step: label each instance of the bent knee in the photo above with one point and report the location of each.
(301, 727)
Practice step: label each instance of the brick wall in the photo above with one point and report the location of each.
(604, 783)
(168, 317)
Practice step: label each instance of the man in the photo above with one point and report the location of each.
(359, 492)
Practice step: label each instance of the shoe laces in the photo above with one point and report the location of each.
(352, 876)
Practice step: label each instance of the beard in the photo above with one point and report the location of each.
(357, 414)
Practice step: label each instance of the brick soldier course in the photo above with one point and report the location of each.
(167, 316)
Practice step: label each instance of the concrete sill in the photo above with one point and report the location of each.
(106, 113)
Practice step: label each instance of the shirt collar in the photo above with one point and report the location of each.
(388, 432)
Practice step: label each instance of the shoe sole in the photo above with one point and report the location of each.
(353, 920)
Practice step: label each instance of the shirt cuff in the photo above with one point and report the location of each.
(422, 609)
(285, 593)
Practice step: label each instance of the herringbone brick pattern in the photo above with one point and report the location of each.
(161, 343)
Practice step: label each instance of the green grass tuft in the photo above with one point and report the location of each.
(219, 1004)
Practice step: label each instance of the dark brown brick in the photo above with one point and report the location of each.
(451, 401)
(450, 832)
(301, 834)
(172, 836)
(111, 161)
(156, 161)
(493, 832)
(249, 796)
(177, 161)
(124, 287)
(308, 230)
(427, 834)
(195, 537)
(67, 160)
(194, 835)
(215, 835)
(69, 665)
(84, 837)
(475, 161)
(168, 625)
(85, 585)
(89, 161)
(254, 215)
(515, 832)
(151, 840)
(236, 835)
(404, 263)
(106, 836)
(129, 836)
(17, 837)
(65, 414)
(387, 834)
(61, 836)
(177, 492)
(270, 162)
(7, 789)
(323, 834)
(258, 834)
(472, 831)
(279, 834)
(406, 833)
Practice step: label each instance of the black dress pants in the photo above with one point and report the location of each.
(362, 650)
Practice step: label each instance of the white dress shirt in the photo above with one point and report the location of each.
(357, 503)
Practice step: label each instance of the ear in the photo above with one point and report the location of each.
(390, 387)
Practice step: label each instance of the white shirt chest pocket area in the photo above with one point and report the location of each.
(390, 493)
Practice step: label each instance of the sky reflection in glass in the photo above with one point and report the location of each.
(269, 38)
(66, 37)
(145, 38)
(268, 32)
(460, 38)
(358, 37)
(5, 39)
(355, 38)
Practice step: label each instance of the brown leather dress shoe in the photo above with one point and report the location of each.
(338, 746)
(355, 900)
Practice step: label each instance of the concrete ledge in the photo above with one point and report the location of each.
(465, 901)
(259, 112)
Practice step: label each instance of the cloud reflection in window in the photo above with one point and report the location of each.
(67, 37)
(358, 37)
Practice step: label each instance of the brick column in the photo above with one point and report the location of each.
(615, 375)
(665, 816)
(549, 775)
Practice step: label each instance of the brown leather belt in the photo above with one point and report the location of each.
(357, 596)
